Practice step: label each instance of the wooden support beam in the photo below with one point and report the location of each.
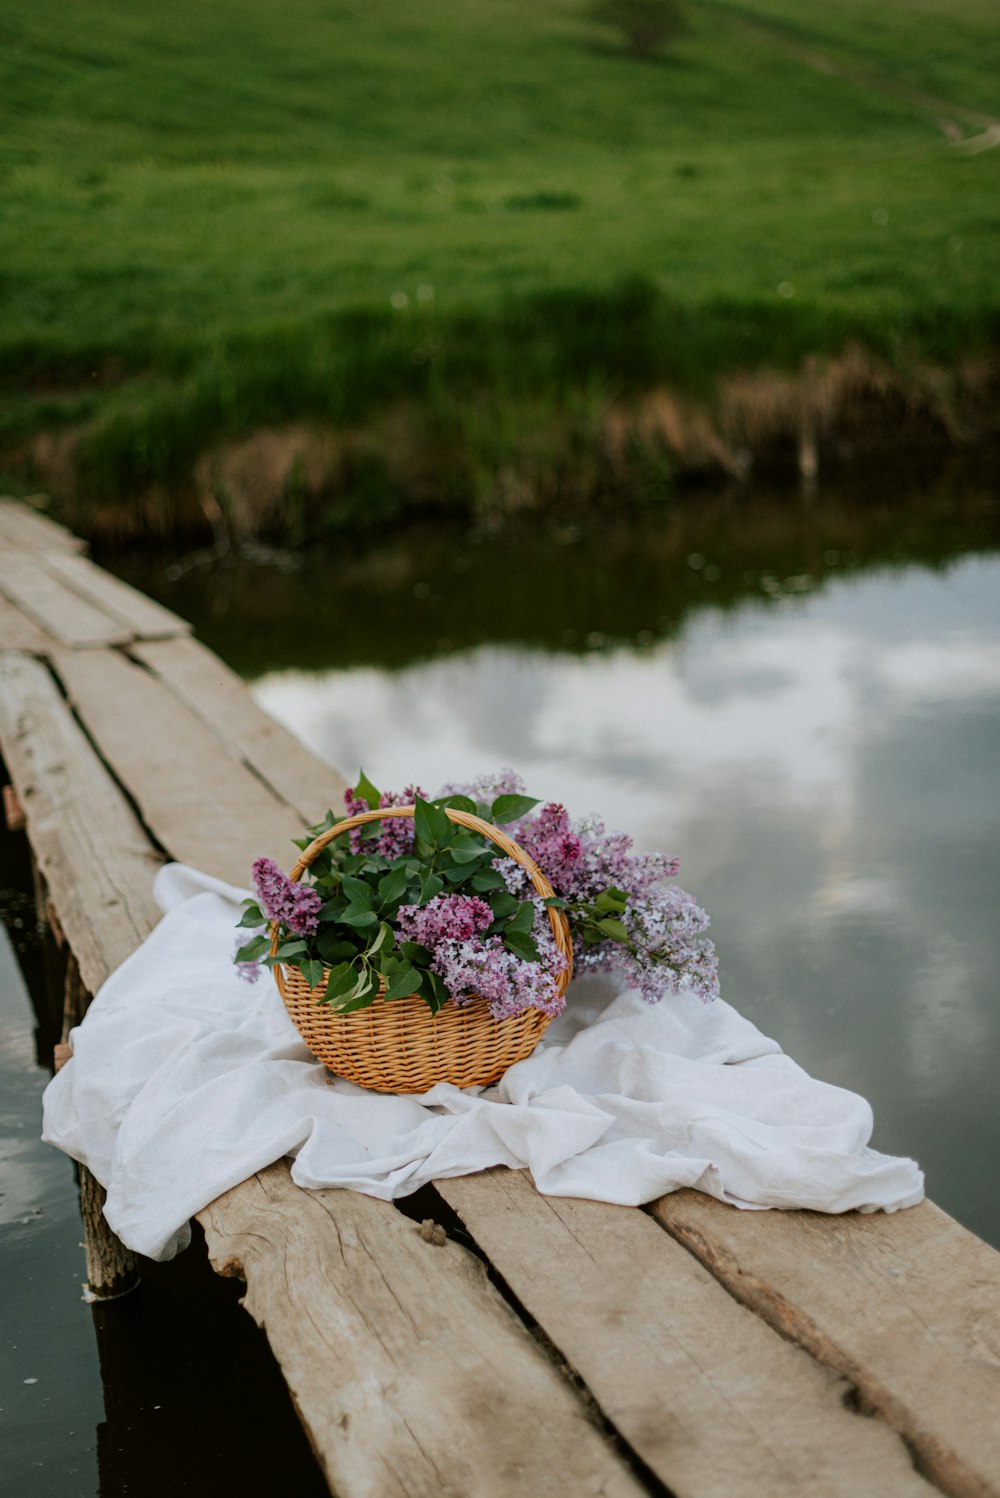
(25, 527)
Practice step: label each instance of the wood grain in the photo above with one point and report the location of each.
(411, 1373)
(22, 526)
(143, 617)
(198, 799)
(709, 1397)
(19, 632)
(906, 1306)
(54, 607)
(217, 695)
(95, 858)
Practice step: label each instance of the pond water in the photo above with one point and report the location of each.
(799, 698)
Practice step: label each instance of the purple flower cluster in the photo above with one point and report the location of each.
(472, 964)
(281, 899)
(395, 835)
(445, 918)
(666, 951)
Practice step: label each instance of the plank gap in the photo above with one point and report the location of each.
(427, 1202)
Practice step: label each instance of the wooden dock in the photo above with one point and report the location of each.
(577, 1348)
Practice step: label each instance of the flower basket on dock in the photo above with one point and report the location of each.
(401, 1044)
(418, 941)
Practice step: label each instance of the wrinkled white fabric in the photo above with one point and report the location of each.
(185, 1079)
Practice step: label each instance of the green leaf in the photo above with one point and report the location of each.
(614, 929)
(287, 950)
(333, 948)
(414, 952)
(383, 941)
(521, 945)
(303, 842)
(403, 981)
(459, 803)
(341, 981)
(253, 949)
(252, 916)
(366, 792)
(608, 900)
(312, 971)
(465, 853)
(503, 904)
(430, 886)
(509, 808)
(524, 919)
(487, 879)
(556, 902)
(392, 886)
(358, 916)
(431, 825)
(359, 893)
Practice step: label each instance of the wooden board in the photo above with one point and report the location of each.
(906, 1306)
(18, 632)
(411, 1373)
(66, 616)
(218, 696)
(25, 527)
(709, 1397)
(203, 806)
(144, 618)
(96, 860)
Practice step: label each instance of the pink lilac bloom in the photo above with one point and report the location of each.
(395, 835)
(296, 906)
(471, 964)
(445, 918)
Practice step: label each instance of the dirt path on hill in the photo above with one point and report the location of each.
(953, 120)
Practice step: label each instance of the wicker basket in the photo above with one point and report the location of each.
(400, 1046)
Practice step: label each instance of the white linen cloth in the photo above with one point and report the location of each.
(185, 1080)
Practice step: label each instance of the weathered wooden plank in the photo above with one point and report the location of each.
(412, 1375)
(72, 620)
(906, 1306)
(199, 801)
(22, 526)
(97, 862)
(18, 632)
(218, 696)
(708, 1396)
(143, 617)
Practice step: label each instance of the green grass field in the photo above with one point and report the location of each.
(215, 217)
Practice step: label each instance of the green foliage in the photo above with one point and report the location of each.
(646, 26)
(354, 952)
(224, 217)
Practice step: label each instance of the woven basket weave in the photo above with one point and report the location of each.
(400, 1046)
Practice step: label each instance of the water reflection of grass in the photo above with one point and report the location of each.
(432, 589)
(225, 216)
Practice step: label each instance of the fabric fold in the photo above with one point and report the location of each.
(185, 1080)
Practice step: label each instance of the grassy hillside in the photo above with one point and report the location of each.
(215, 217)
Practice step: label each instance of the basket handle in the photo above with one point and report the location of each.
(560, 925)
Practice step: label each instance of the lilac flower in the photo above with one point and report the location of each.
(394, 837)
(281, 899)
(445, 918)
(472, 964)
